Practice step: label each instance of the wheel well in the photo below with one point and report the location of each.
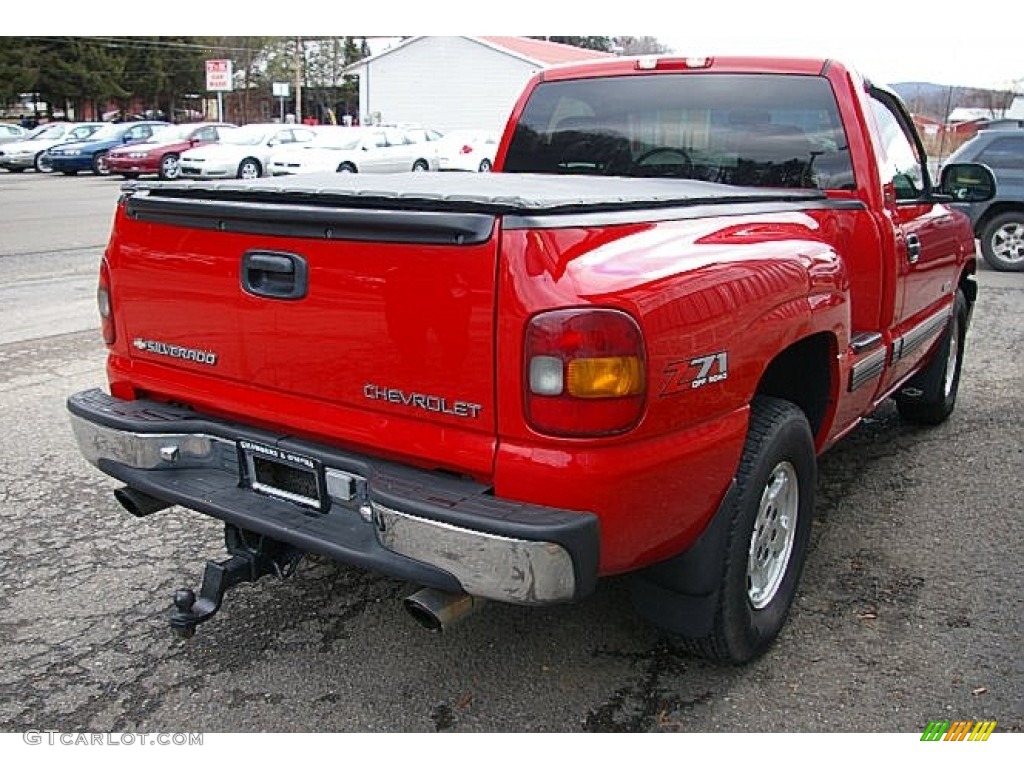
(994, 210)
(803, 374)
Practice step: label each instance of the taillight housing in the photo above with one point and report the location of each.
(105, 304)
(584, 372)
(466, 149)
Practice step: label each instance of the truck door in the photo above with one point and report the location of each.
(926, 250)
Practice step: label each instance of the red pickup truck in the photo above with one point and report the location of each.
(622, 352)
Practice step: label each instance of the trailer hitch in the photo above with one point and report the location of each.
(253, 556)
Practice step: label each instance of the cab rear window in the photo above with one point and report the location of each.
(745, 130)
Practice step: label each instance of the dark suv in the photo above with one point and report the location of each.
(999, 223)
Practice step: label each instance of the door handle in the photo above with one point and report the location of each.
(274, 275)
(913, 248)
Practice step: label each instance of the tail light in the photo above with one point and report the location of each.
(584, 372)
(105, 306)
(466, 149)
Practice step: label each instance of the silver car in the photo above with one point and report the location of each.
(9, 133)
(31, 151)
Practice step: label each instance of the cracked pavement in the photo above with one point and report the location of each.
(909, 610)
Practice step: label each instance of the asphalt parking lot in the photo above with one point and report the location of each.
(910, 609)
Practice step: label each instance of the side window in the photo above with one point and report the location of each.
(901, 164)
(206, 134)
(1004, 153)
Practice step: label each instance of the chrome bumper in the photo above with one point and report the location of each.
(365, 515)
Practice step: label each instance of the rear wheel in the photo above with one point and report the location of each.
(346, 168)
(420, 165)
(760, 554)
(485, 166)
(42, 163)
(249, 169)
(930, 396)
(169, 168)
(1002, 242)
(99, 164)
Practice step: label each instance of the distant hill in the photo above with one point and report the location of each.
(937, 101)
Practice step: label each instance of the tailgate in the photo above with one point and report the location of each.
(389, 312)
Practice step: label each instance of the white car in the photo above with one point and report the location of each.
(242, 153)
(467, 151)
(31, 152)
(356, 150)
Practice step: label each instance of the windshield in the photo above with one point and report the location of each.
(247, 135)
(171, 133)
(109, 131)
(46, 132)
(748, 130)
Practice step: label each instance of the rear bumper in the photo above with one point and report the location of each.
(419, 526)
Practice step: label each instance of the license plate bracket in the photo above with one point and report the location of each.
(283, 474)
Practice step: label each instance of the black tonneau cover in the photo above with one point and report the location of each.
(487, 193)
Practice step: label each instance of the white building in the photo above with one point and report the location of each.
(450, 83)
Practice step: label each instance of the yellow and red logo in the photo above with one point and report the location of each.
(958, 730)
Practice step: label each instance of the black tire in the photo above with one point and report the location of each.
(756, 560)
(129, 176)
(420, 165)
(42, 163)
(15, 170)
(1002, 242)
(99, 164)
(249, 168)
(930, 396)
(169, 168)
(347, 168)
(70, 173)
(485, 166)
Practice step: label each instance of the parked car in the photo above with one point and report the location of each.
(999, 222)
(9, 133)
(161, 153)
(356, 150)
(467, 151)
(242, 153)
(32, 151)
(91, 154)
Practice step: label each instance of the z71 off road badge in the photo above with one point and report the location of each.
(686, 375)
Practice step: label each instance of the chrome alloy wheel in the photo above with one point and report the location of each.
(771, 543)
(1008, 242)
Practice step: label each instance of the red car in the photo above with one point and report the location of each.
(160, 154)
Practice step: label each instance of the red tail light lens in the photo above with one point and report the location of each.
(466, 149)
(105, 305)
(584, 372)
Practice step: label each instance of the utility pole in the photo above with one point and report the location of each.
(298, 79)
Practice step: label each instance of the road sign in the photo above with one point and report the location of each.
(281, 90)
(218, 75)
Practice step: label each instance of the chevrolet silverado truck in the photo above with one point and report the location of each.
(621, 353)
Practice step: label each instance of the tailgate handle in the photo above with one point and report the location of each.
(274, 275)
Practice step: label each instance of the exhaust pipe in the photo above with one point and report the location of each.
(138, 503)
(437, 611)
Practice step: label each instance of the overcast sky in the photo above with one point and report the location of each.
(889, 40)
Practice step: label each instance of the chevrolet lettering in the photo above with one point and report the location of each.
(426, 402)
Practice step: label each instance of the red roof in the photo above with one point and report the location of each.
(545, 52)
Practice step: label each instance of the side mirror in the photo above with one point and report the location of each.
(968, 182)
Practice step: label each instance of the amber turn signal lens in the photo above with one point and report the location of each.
(592, 377)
